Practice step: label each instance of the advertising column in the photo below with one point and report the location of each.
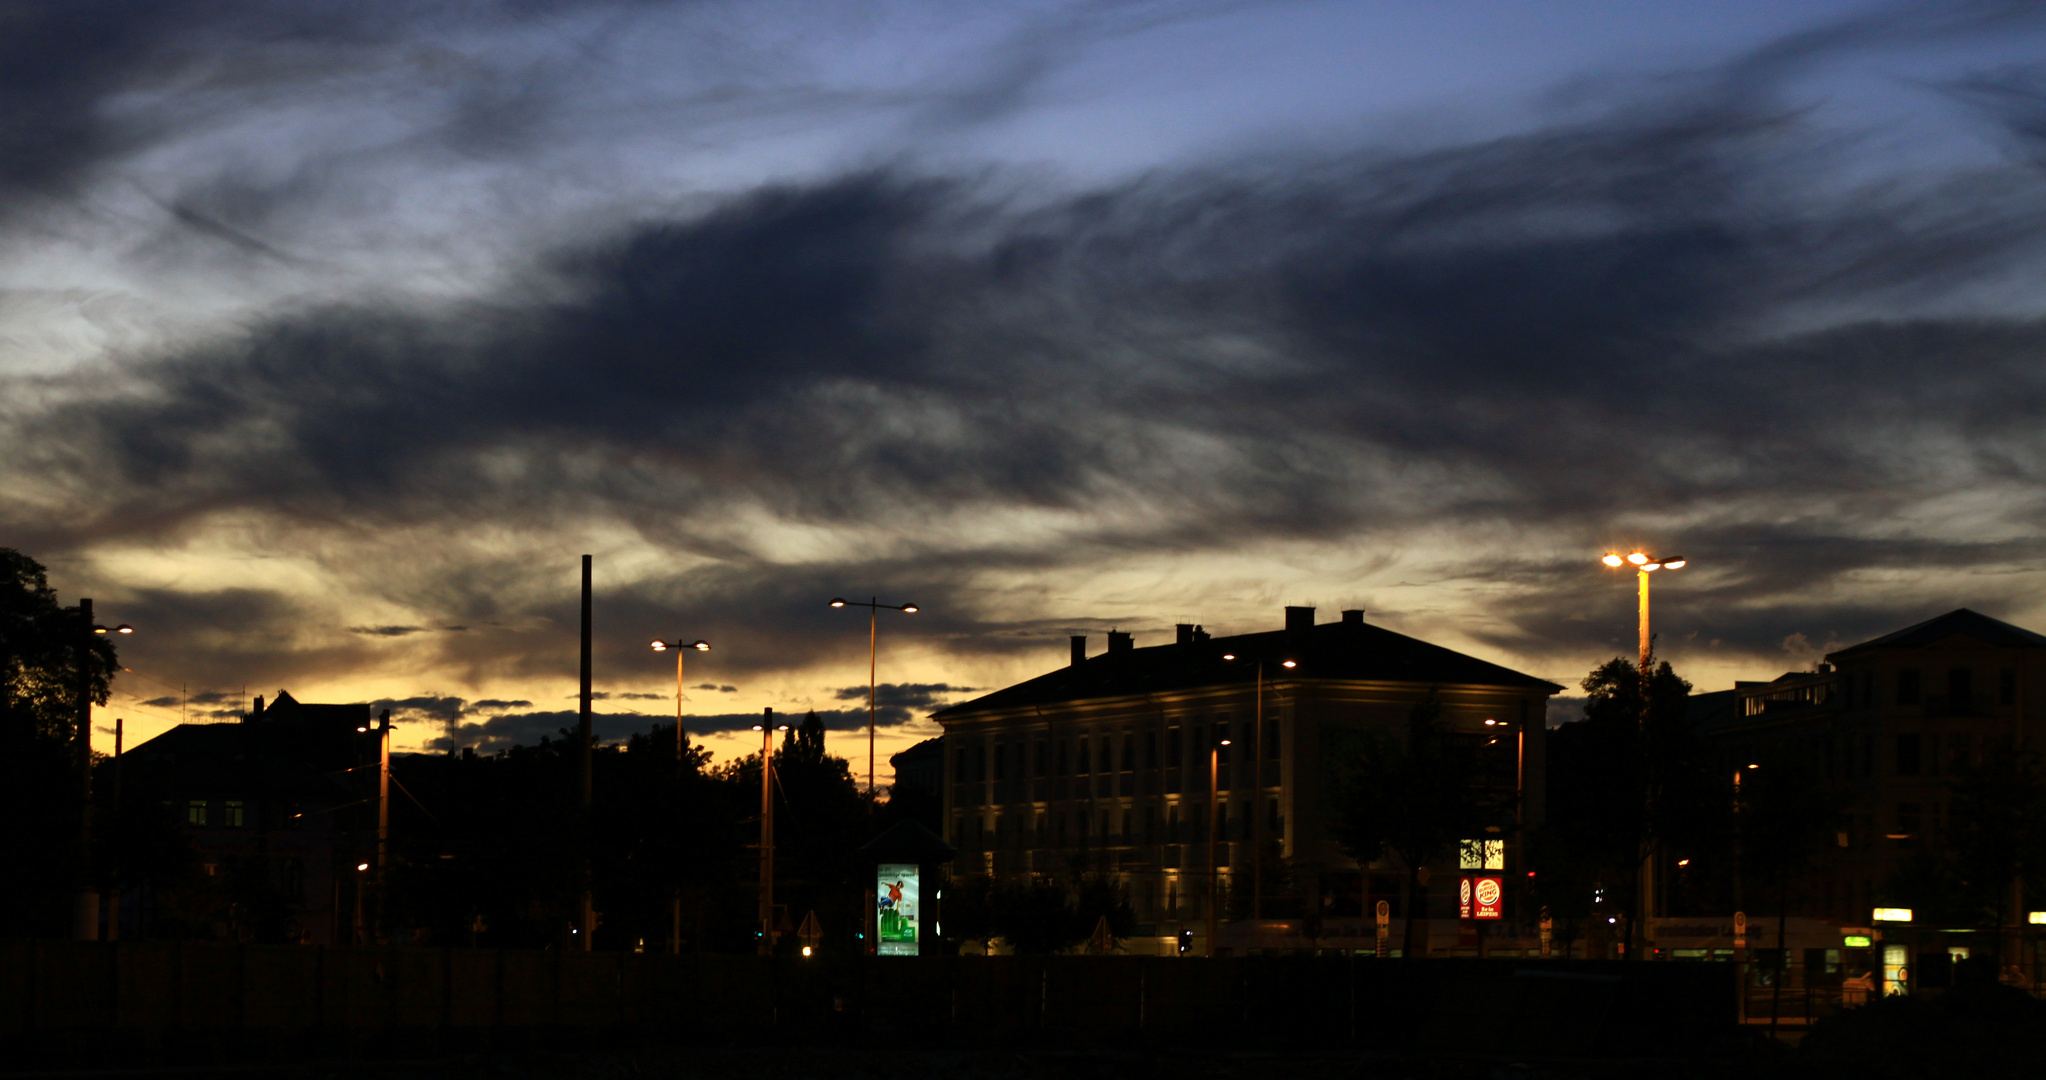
(898, 910)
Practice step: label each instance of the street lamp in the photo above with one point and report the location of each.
(1645, 564)
(873, 606)
(1257, 757)
(680, 649)
(767, 727)
(1214, 869)
(85, 911)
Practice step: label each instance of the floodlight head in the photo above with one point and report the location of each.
(1288, 664)
(757, 727)
(362, 727)
(362, 866)
(911, 608)
(659, 645)
(1612, 559)
(838, 601)
(700, 646)
(781, 727)
(1637, 558)
(1224, 742)
(124, 628)
(1491, 723)
(99, 629)
(1228, 656)
(1675, 563)
(1651, 566)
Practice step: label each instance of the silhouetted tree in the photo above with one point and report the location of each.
(45, 651)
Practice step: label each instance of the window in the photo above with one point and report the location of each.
(1150, 749)
(1174, 754)
(1960, 686)
(1907, 686)
(1172, 824)
(1063, 760)
(231, 814)
(1909, 820)
(1932, 754)
(1043, 757)
(1847, 693)
(195, 812)
(1272, 739)
(1129, 751)
(1001, 763)
(1907, 755)
(2007, 687)
(1868, 755)
(1081, 756)
(1276, 822)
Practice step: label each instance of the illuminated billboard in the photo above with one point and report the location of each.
(899, 908)
(1490, 894)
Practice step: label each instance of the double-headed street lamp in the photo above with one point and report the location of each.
(1257, 756)
(680, 649)
(85, 912)
(873, 607)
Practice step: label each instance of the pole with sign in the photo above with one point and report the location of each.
(1384, 929)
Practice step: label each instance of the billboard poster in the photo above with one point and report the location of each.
(897, 926)
(1490, 896)
(1463, 898)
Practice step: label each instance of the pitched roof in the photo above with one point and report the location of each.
(1993, 632)
(1337, 650)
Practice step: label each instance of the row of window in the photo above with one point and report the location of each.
(1848, 757)
(1106, 751)
(1180, 823)
(233, 813)
(1858, 689)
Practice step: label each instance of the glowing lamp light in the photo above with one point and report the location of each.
(1491, 723)
(1683, 862)
(1224, 742)
(2036, 918)
(1674, 564)
(362, 866)
(1637, 558)
(806, 950)
(1288, 664)
(1228, 656)
(1856, 941)
(659, 645)
(1892, 914)
(1613, 560)
(912, 608)
(838, 601)
(700, 646)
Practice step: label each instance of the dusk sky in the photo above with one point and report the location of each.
(331, 334)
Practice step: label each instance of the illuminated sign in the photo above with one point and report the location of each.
(1856, 941)
(899, 903)
(1463, 898)
(1490, 894)
(1892, 914)
(2036, 918)
(1481, 855)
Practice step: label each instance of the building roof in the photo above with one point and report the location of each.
(1993, 632)
(289, 750)
(1354, 651)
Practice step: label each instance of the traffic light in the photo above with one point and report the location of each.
(1185, 942)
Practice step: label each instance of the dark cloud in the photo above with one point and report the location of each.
(716, 687)
(160, 702)
(897, 703)
(386, 631)
(1644, 314)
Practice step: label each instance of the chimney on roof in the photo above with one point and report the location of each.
(1186, 633)
(1119, 642)
(1299, 619)
(1079, 649)
(1353, 617)
(257, 712)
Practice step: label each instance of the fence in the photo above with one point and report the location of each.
(64, 994)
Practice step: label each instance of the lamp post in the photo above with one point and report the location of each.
(680, 649)
(767, 727)
(85, 911)
(1644, 565)
(873, 606)
(1257, 756)
(1214, 868)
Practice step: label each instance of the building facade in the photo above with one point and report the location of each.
(1106, 765)
(1884, 725)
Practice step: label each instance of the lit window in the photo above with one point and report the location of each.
(231, 814)
(195, 812)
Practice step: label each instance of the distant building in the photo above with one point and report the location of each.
(1103, 765)
(274, 807)
(1884, 724)
(921, 766)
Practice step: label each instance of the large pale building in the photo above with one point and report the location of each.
(1104, 766)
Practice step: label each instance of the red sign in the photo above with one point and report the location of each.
(1489, 894)
(1463, 898)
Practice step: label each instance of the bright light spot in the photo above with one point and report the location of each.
(1683, 862)
(1674, 564)
(806, 950)
(1892, 914)
(660, 646)
(362, 866)
(1612, 560)
(1288, 663)
(1637, 558)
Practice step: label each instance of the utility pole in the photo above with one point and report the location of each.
(85, 911)
(587, 916)
(767, 729)
(383, 824)
(114, 895)
(1214, 827)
